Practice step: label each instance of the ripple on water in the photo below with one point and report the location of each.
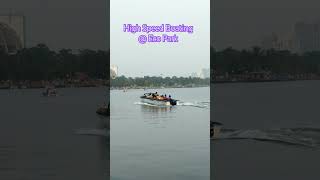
(309, 137)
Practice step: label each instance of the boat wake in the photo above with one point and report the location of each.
(309, 137)
(93, 132)
(195, 104)
(148, 104)
(180, 103)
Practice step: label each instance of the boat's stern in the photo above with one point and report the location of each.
(215, 128)
(172, 102)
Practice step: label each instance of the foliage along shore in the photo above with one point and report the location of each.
(260, 65)
(38, 66)
(155, 82)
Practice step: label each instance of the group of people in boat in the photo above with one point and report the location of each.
(158, 97)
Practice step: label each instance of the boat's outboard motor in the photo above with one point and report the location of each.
(215, 128)
(173, 102)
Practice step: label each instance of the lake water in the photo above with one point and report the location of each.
(284, 116)
(158, 143)
(59, 137)
(40, 137)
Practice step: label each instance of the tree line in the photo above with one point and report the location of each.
(41, 63)
(155, 81)
(234, 61)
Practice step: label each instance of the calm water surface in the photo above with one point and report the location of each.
(150, 142)
(253, 109)
(37, 139)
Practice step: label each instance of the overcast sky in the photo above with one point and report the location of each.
(80, 24)
(169, 59)
(243, 23)
(72, 24)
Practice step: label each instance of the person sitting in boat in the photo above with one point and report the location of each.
(154, 95)
(161, 97)
(47, 91)
(169, 97)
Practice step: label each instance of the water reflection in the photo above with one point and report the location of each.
(156, 140)
(104, 122)
(158, 116)
(43, 140)
(156, 109)
(104, 146)
(104, 155)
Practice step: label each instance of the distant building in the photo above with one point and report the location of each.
(193, 75)
(113, 71)
(307, 36)
(280, 42)
(204, 73)
(12, 33)
(303, 37)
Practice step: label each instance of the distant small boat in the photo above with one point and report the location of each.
(49, 92)
(152, 98)
(103, 110)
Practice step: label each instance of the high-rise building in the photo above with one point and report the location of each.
(113, 71)
(280, 42)
(307, 36)
(12, 33)
(303, 37)
(204, 73)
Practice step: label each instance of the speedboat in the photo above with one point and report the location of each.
(154, 99)
(104, 110)
(50, 92)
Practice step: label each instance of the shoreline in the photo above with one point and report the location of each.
(102, 86)
(146, 88)
(41, 84)
(260, 81)
(57, 87)
(7, 86)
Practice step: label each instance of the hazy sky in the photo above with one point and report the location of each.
(72, 24)
(242, 24)
(84, 24)
(179, 59)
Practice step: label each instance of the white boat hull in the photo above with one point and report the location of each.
(155, 102)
